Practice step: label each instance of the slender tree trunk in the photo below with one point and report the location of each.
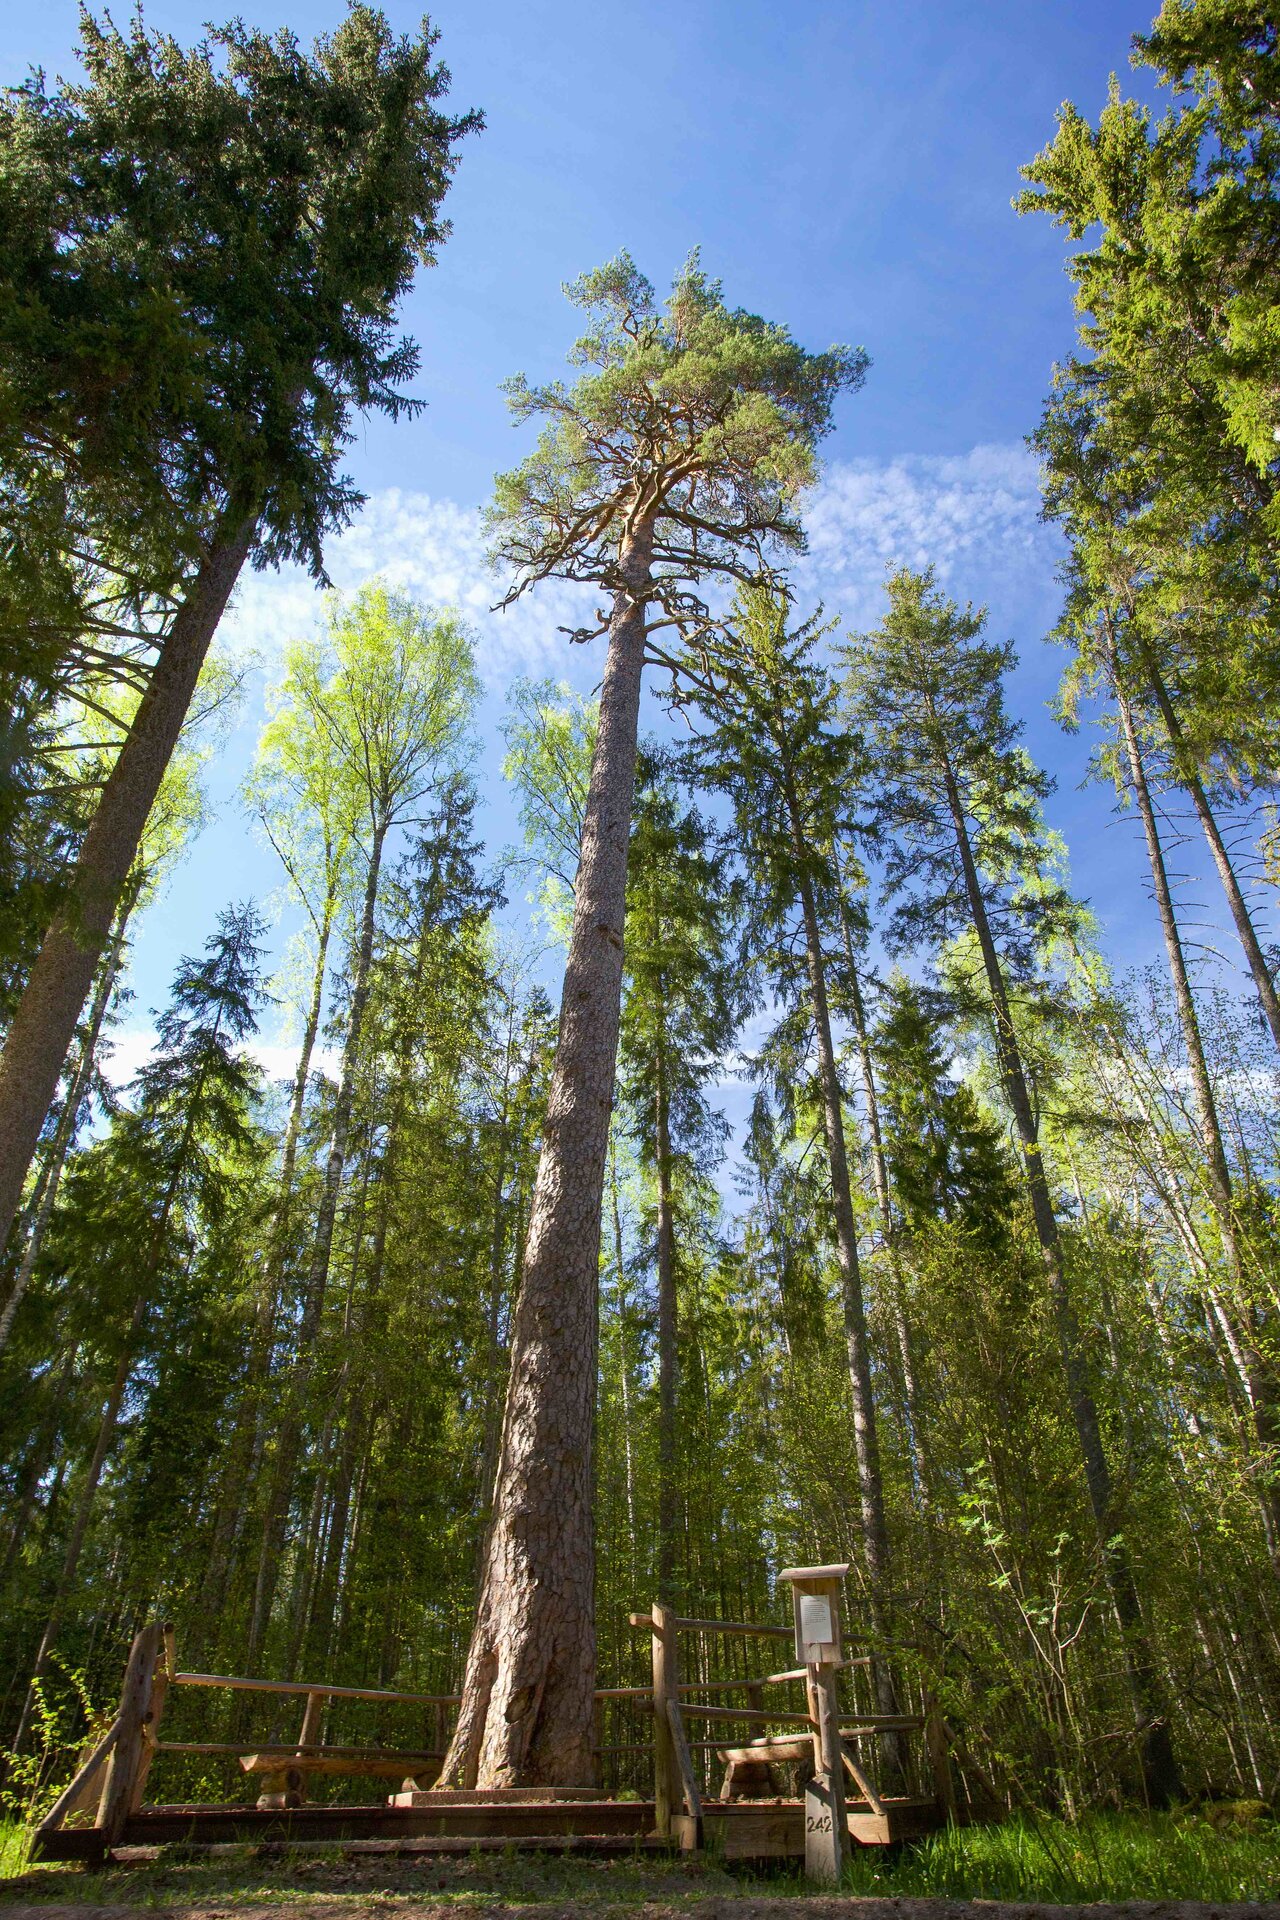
(60, 1145)
(71, 1558)
(293, 1130)
(44, 1024)
(875, 1532)
(1264, 1401)
(1189, 779)
(1161, 1777)
(668, 1352)
(619, 1265)
(291, 1426)
(318, 1277)
(884, 1206)
(527, 1710)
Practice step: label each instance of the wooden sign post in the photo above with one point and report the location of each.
(815, 1593)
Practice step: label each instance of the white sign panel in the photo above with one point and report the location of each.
(816, 1624)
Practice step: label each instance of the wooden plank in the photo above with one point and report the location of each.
(455, 1797)
(84, 1777)
(688, 1779)
(117, 1801)
(877, 1723)
(288, 1753)
(798, 1749)
(732, 1626)
(202, 1825)
(746, 1830)
(743, 1713)
(377, 1766)
(313, 1686)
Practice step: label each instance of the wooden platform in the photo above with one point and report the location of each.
(454, 1823)
(774, 1829)
(463, 1819)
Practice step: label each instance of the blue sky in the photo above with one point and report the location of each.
(846, 169)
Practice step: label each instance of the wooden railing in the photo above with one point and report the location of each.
(113, 1776)
(676, 1785)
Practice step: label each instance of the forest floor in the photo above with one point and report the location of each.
(1128, 1866)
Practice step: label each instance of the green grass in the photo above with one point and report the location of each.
(1236, 1856)
(1102, 1857)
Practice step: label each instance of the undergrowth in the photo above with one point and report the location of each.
(1105, 1857)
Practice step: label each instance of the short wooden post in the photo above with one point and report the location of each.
(312, 1719)
(938, 1748)
(666, 1682)
(121, 1783)
(816, 1597)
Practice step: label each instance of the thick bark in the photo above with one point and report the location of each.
(60, 1145)
(526, 1716)
(1264, 1399)
(1161, 1777)
(44, 1024)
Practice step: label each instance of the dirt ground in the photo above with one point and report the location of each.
(246, 1886)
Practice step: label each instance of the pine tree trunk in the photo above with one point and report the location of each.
(1264, 1399)
(44, 1024)
(526, 1716)
(1161, 1779)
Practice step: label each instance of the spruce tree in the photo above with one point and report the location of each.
(303, 189)
(958, 802)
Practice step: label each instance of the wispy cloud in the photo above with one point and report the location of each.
(972, 516)
(132, 1047)
(433, 548)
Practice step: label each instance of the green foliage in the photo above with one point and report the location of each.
(693, 419)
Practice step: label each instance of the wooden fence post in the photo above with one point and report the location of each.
(666, 1682)
(938, 1748)
(164, 1673)
(122, 1782)
(826, 1822)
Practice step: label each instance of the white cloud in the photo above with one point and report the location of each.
(973, 517)
(435, 549)
(132, 1048)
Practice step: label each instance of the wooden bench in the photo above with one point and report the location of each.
(285, 1769)
(749, 1770)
